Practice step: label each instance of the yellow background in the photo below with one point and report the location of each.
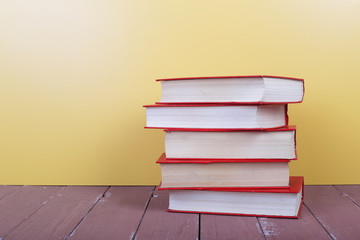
(75, 74)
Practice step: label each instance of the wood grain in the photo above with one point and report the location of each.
(338, 215)
(21, 204)
(351, 191)
(6, 190)
(116, 216)
(215, 227)
(36, 212)
(305, 227)
(160, 224)
(59, 215)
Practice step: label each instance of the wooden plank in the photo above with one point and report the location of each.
(213, 227)
(116, 216)
(305, 227)
(351, 191)
(160, 224)
(60, 215)
(21, 204)
(6, 190)
(338, 215)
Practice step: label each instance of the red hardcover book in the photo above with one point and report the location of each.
(216, 116)
(164, 160)
(255, 89)
(260, 202)
(187, 174)
(231, 145)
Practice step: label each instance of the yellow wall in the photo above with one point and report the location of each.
(75, 74)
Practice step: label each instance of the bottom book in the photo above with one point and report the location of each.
(263, 202)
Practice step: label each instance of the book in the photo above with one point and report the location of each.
(228, 145)
(259, 89)
(268, 144)
(261, 202)
(213, 173)
(216, 116)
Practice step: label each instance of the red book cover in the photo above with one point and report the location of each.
(163, 160)
(230, 77)
(219, 77)
(213, 105)
(295, 186)
(285, 128)
(208, 160)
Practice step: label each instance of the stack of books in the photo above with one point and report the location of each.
(228, 145)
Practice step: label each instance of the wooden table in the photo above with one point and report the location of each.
(103, 212)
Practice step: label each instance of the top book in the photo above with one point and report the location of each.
(256, 89)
